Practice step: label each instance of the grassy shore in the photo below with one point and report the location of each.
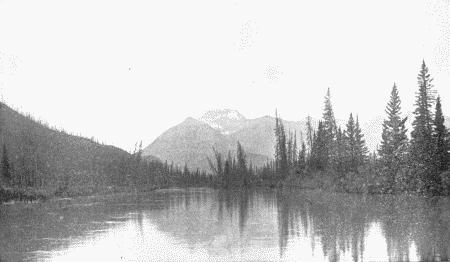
(8, 194)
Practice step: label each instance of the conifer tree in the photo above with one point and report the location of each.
(361, 147)
(277, 140)
(242, 165)
(341, 152)
(319, 152)
(281, 158)
(290, 151)
(294, 152)
(394, 140)
(309, 134)
(330, 129)
(311, 161)
(329, 121)
(441, 140)
(226, 180)
(422, 146)
(251, 170)
(241, 159)
(302, 158)
(350, 137)
(186, 172)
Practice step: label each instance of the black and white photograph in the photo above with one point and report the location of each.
(235, 130)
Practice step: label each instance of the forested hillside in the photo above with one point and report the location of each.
(37, 157)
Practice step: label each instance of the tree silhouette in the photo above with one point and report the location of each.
(394, 141)
(330, 132)
(281, 157)
(422, 146)
(441, 139)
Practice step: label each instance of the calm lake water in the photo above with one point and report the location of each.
(215, 225)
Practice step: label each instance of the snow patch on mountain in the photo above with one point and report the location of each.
(227, 121)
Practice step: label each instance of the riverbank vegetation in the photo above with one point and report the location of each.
(336, 158)
(38, 161)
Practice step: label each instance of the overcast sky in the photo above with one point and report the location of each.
(125, 71)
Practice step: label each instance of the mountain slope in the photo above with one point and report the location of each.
(46, 158)
(190, 142)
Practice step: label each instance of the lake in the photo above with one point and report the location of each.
(226, 225)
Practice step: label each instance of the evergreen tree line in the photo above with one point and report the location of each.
(337, 157)
(327, 148)
(232, 171)
(419, 165)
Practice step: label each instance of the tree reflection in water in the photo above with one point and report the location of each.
(238, 225)
(359, 227)
(334, 226)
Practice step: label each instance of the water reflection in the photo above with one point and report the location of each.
(358, 228)
(227, 225)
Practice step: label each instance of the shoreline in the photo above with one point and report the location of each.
(30, 195)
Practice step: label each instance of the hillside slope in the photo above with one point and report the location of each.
(49, 159)
(192, 142)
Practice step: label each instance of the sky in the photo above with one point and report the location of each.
(126, 71)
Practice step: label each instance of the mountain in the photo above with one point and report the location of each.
(192, 141)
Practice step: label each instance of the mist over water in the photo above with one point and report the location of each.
(227, 225)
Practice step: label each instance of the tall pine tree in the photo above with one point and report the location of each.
(394, 141)
(302, 158)
(361, 147)
(309, 135)
(352, 151)
(281, 157)
(319, 150)
(330, 129)
(295, 152)
(242, 166)
(441, 140)
(422, 146)
(341, 145)
(290, 152)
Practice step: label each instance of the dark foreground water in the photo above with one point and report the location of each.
(213, 225)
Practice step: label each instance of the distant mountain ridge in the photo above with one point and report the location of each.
(191, 141)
